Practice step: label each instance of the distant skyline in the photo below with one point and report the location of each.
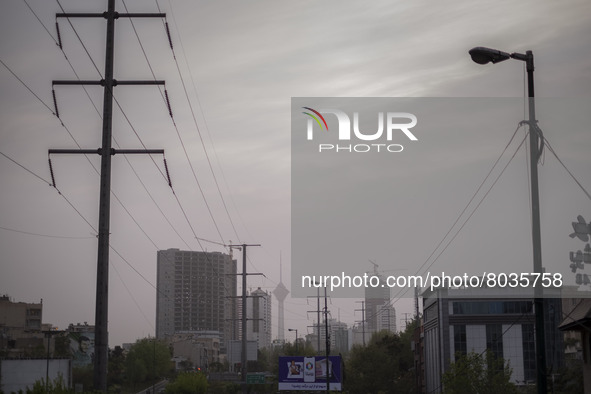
(241, 63)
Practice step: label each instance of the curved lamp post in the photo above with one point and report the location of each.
(483, 55)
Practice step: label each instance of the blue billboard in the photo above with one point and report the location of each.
(310, 373)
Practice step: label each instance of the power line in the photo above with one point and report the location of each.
(25, 168)
(401, 292)
(132, 297)
(128, 121)
(80, 40)
(74, 207)
(204, 118)
(87, 222)
(106, 151)
(26, 86)
(43, 235)
(77, 144)
(195, 122)
(567, 170)
(49, 183)
(42, 24)
(470, 201)
(74, 139)
(199, 130)
(178, 132)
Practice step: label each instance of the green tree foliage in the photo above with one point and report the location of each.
(268, 357)
(116, 366)
(56, 386)
(383, 366)
(38, 351)
(188, 383)
(84, 376)
(147, 360)
(219, 387)
(62, 347)
(570, 378)
(474, 373)
(302, 349)
(217, 366)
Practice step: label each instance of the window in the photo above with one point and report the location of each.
(491, 307)
(494, 339)
(529, 352)
(431, 313)
(460, 345)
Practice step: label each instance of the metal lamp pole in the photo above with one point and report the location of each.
(296, 341)
(482, 55)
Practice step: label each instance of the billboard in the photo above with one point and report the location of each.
(82, 348)
(310, 373)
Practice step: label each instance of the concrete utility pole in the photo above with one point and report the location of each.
(244, 358)
(327, 340)
(101, 347)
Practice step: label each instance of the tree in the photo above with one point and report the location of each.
(188, 383)
(217, 366)
(62, 347)
(383, 366)
(56, 386)
(84, 376)
(148, 359)
(268, 357)
(37, 351)
(116, 366)
(570, 378)
(473, 373)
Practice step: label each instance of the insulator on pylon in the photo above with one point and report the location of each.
(168, 103)
(59, 36)
(167, 173)
(55, 103)
(168, 34)
(51, 172)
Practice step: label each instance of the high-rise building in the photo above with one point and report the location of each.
(258, 317)
(196, 293)
(258, 313)
(386, 318)
(338, 333)
(375, 298)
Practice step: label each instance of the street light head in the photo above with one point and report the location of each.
(482, 55)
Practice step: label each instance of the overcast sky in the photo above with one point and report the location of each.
(241, 63)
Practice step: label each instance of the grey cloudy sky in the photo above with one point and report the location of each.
(246, 59)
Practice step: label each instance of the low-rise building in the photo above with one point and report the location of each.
(21, 330)
(200, 350)
(460, 321)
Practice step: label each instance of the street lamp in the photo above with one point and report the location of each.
(296, 341)
(482, 55)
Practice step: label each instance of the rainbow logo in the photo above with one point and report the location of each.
(315, 118)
